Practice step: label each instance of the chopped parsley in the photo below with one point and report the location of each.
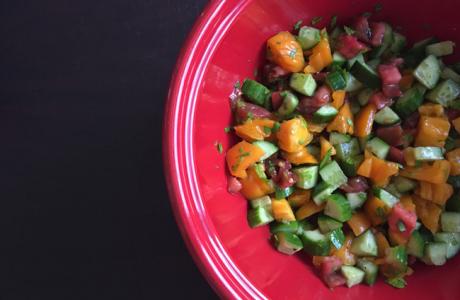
(298, 24)
(333, 21)
(349, 122)
(219, 147)
(250, 116)
(348, 30)
(316, 20)
(276, 127)
(267, 130)
(397, 282)
(228, 129)
(378, 7)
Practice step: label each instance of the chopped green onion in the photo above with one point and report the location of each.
(397, 282)
(298, 24)
(228, 129)
(316, 20)
(333, 21)
(348, 30)
(219, 147)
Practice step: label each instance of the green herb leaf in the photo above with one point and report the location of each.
(298, 24)
(228, 129)
(349, 122)
(267, 130)
(219, 147)
(378, 7)
(237, 85)
(348, 30)
(397, 282)
(333, 22)
(276, 127)
(316, 20)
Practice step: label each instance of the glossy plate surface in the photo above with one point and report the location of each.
(226, 45)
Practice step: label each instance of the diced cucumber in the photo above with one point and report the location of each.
(338, 59)
(417, 53)
(397, 282)
(410, 101)
(403, 184)
(450, 221)
(364, 245)
(378, 147)
(435, 254)
(351, 164)
(304, 225)
(259, 168)
(308, 37)
(448, 73)
(353, 84)
(364, 95)
(363, 140)
(287, 243)
(337, 207)
(307, 177)
(338, 138)
(332, 174)
(255, 92)
(386, 116)
(399, 42)
(352, 60)
(326, 223)
(452, 240)
(353, 276)
(391, 188)
(315, 243)
(265, 202)
(440, 49)
(389, 199)
(315, 151)
(453, 204)
(370, 269)
(386, 43)
(444, 93)
(348, 149)
(291, 226)
(336, 80)
(325, 114)
(268, 148)
(305, 84)
(395, 261)
(336, 237)
(322, 191)
(428, 72)
(416, 244)
(362, 72)
(259, 216)
(282, 193)
(428, 153)
(356, 200)
(290, 103)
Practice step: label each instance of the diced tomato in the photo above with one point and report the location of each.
(349, 46)
(329, 266)
(273, 73)
(380, 100)
(389, 74)
(399, 216)
(452, 113)
(411, 121)
(334, 280)
(363, 31)
(233, 185)
(277, 100)
(393, 135)
(322, 95)
(355, 185)
(245, 110)
(279, 171)
(320, 76)
(396, 155)
(391, 90)
(395, 61)
(378, 31)
(308, 105)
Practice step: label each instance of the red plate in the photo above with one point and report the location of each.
(227, 45)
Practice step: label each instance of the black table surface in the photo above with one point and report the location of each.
(84, 212)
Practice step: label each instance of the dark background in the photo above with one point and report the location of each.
(84, 212)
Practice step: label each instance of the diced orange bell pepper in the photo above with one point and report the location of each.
(431, 110)
(438, 172)
(320, 56)
(359, 223)
(344, 253)
(432, 131)
(315, 127)
(293, 135)
(255, 130)
(299, 198)
(382, 171)
(454, 159)
(284, 50)
(325, 146)
(456, 123)
(407, 202)
(282, 211)
(382, 243)
(376, 210)
(338, 97)
(409, 156)
(255, 185)
(364, 120)
(343, 122)
(396, 238)
(407, 80)
(428, 212)
(300, 157)
(241, 156)
(308, 209)
(438, 193)
(365, 168)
